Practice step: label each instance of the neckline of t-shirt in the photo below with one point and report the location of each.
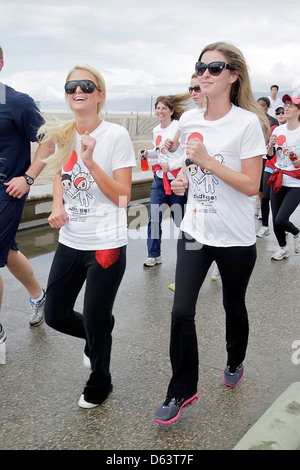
(164, 128)
(223, 118)
(95, 130)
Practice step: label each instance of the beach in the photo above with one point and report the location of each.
(139, 128)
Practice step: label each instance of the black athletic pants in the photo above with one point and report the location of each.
(193, 261)
(102, 271)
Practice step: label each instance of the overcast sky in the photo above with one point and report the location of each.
(144, 48)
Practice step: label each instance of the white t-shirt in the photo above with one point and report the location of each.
(217, 214)
(274, 104)
(175, 159)
(287, 141)
(94, 222)
(187, 122)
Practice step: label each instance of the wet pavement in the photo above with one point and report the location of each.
(44, 376)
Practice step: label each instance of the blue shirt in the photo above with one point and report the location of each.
(20, 120)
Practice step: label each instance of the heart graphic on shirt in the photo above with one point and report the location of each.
(281, 139)
(158, 140)
(71, 162)
(195, 135)
(107, 258)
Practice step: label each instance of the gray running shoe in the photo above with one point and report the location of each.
(170, 410)
(281, 253)
(37, 311)
(152, 261)
(231, 378)
(2, 334)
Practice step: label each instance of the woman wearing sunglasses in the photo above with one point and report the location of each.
(285, 180)
(200, 101)
(91, 189)
(224, 146)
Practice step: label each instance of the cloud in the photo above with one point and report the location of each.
(143, 48)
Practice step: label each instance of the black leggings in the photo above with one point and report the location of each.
(265, 201)
(283, 204)
(103, 271)
(193, 261)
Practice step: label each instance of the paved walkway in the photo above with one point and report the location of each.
(44, 376)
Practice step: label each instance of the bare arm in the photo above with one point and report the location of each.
(296, 162)
(272, 142)
(247, 181)
(180, 184)
(172, 145)
(118, 188)
(57, 218)
(18, 186)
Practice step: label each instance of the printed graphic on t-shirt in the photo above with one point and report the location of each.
(203, 182)
(160, 151)
(283, 152)
(76, 184)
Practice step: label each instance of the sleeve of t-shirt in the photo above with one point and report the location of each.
(28, 118)
(123, 151)
(253, 141)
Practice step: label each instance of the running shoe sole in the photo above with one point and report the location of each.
(37, 324)
(189, 401)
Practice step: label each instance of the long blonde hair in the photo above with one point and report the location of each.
(64, 134)
(241, 93)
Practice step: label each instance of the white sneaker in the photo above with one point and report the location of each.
(282, 253)
(172, 287)
(263, 232)
(86, 361)
(152, 261)
(37, 310)
(297, 243)
(85, 404)
(215, 275)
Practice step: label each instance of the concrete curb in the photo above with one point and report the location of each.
(279, 426)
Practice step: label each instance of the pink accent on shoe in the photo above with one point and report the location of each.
(189, 401)
(228, 385)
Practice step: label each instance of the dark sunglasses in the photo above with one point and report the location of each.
(87, 86)
(279, 112)
(214, 68)
(196, 88)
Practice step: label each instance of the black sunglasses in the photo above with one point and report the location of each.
(196, 88)
(87, 86)
(279, 112)
(214, 68)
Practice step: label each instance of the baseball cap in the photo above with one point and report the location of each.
(293, 99)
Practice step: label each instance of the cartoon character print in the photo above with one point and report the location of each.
(78, 179)
(206, 177)
(192, 169)
(82, 182)
(66, 182)
(283, 152)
